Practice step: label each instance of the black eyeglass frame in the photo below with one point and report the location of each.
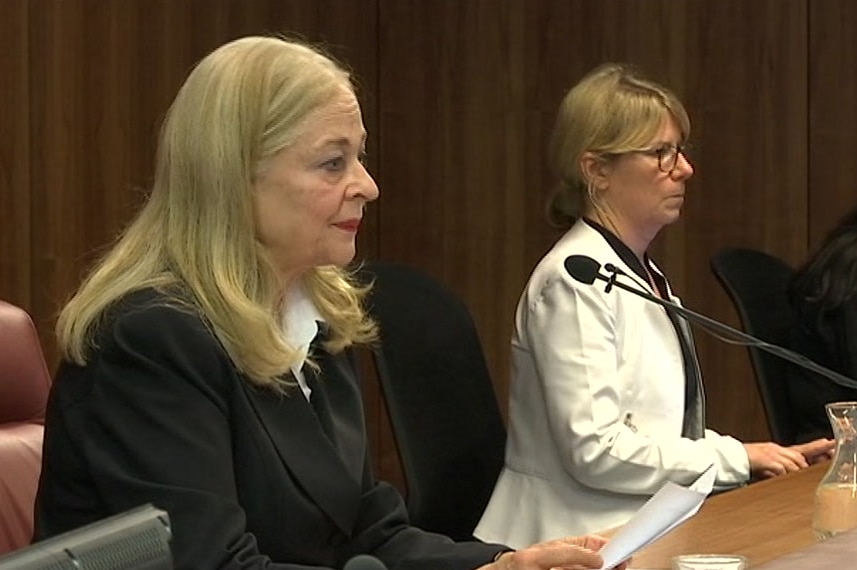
(678, 148)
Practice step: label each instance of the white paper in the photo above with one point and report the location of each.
(668, 508)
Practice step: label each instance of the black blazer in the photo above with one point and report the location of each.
(160, 414)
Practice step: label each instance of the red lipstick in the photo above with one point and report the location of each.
(348, 225)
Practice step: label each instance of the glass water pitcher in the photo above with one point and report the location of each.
(836, 495)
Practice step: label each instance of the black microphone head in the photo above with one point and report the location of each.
(364, 562)
(610, 268)
(583, 268)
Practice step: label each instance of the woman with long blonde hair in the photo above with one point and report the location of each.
(206, 358)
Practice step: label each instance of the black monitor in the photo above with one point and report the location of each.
(138, 539)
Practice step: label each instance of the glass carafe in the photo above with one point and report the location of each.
(836, 495)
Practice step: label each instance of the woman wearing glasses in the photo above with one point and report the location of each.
(606, 397)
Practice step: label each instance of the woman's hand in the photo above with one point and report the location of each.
(573, 553)
(770, 459)
(816, 450)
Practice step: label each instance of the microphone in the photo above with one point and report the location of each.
(136, 539)
(364, 562)
(587, 270)
(583, 268)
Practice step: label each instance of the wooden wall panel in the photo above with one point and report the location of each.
(459, 98)
(833, 114)
(454, 166)
(464, 134)
(744, 79)
(15, 190)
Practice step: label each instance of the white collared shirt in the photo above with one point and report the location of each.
(300, 322)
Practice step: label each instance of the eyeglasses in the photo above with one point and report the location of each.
(667, 155)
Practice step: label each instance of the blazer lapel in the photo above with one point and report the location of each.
(693, 426)
(346, 405)
(309, 454)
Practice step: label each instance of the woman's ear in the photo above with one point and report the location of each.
(595, 170)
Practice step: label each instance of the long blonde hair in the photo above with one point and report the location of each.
(614, 109)
(239, 106)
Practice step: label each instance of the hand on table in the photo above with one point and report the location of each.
(816, 450)
(770, 459)
(573, 553)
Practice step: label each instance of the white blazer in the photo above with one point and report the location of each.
(596, 406)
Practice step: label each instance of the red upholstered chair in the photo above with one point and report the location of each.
(24, 385)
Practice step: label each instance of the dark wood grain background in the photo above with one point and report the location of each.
(459, 97)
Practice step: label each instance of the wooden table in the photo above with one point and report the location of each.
(762, 521)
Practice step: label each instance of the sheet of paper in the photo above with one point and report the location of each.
(667, 509)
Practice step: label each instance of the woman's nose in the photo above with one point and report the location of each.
(683, 167)
(366, 186)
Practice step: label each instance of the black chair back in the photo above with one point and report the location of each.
(757, 284)
(441, 402)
